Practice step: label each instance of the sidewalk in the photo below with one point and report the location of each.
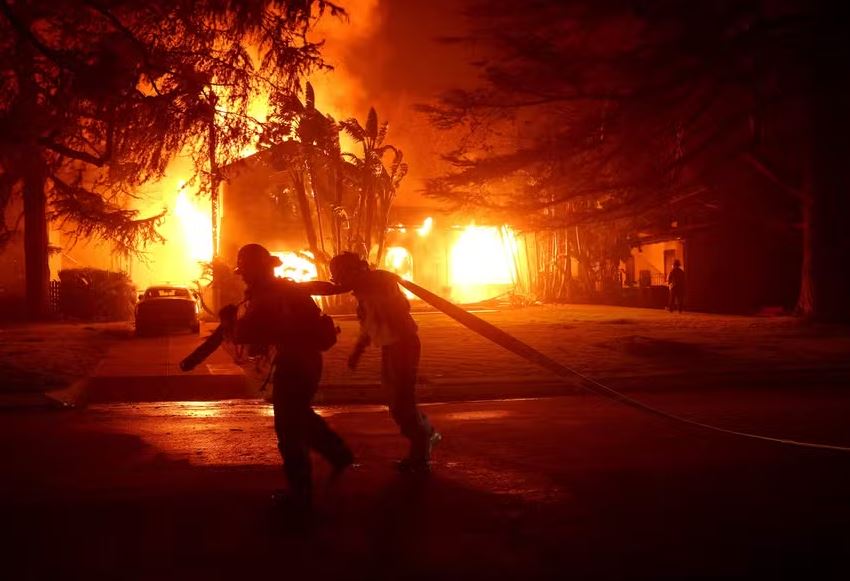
(147, 369)
(632, 349)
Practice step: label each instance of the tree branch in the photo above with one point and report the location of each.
(762, 168)
(22, 29)
(96, 160)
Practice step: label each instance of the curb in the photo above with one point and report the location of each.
(78, 394)
(69, 397)
(474, 388)
(65, 398)
(155, 388)
(457, 390)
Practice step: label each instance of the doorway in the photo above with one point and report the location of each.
(669, 257)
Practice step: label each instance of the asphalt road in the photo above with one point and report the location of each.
(571, 487)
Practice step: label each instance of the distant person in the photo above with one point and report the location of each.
(676, 282)
(385, 322)
(280, 313)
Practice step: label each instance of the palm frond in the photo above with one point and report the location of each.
(353, 128)
(372, 124)
(380, 151)
(382, 133)
(398, 175)
(353, 160)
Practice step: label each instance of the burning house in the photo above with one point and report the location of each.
(305, 209)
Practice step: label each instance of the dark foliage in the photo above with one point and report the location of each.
(92, 294)
(635, 116)
(97, 96)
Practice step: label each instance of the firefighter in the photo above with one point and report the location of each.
(280, 312)
(385, 322)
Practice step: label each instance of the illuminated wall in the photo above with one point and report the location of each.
(651, 257)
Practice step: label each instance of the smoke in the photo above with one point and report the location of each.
(388, 56)
(341, 92)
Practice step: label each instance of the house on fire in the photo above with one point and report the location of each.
(303, 207)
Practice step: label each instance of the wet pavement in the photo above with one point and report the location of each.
(558, 487)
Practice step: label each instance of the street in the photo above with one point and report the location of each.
(602, 246)
(572, 486)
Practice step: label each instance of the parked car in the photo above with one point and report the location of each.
(166, 308)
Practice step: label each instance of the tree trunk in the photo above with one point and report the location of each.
(370, 216)
(35, 171)
(319, 252)
(825, 288)
(358, 230)
(214, 199)
(563, 290)
(806, 300)
(35, 237)
(213, 145)
(314, 188)
(538, 286)
(383, 221)
(569, 265)
(547, 266)
(338, 202)
(382, 239)
(306, 214)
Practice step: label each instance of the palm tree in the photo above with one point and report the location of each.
(313, 146)
(376, 184)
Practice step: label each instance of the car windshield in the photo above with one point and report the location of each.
(155, 293)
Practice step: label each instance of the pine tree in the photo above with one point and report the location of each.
(96, 96)
(614, 114)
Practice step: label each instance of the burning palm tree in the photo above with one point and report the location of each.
(377, 184)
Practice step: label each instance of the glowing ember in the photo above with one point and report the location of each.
(425, 229)
(297, 266)
(196, 228)
(482, 263)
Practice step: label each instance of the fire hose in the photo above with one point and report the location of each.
(205, 349)
(529, 353)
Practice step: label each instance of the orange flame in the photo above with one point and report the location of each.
(398, 259)
(196, 228)
(426, 227)
(297, 266)
(482, 263)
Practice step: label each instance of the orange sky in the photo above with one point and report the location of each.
(388, 56)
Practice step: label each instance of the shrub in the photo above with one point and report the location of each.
(93, 294)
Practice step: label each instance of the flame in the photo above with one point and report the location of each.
(482, 263)
(426, 227)
(398, 259)
(297, 266)
(196, 228)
